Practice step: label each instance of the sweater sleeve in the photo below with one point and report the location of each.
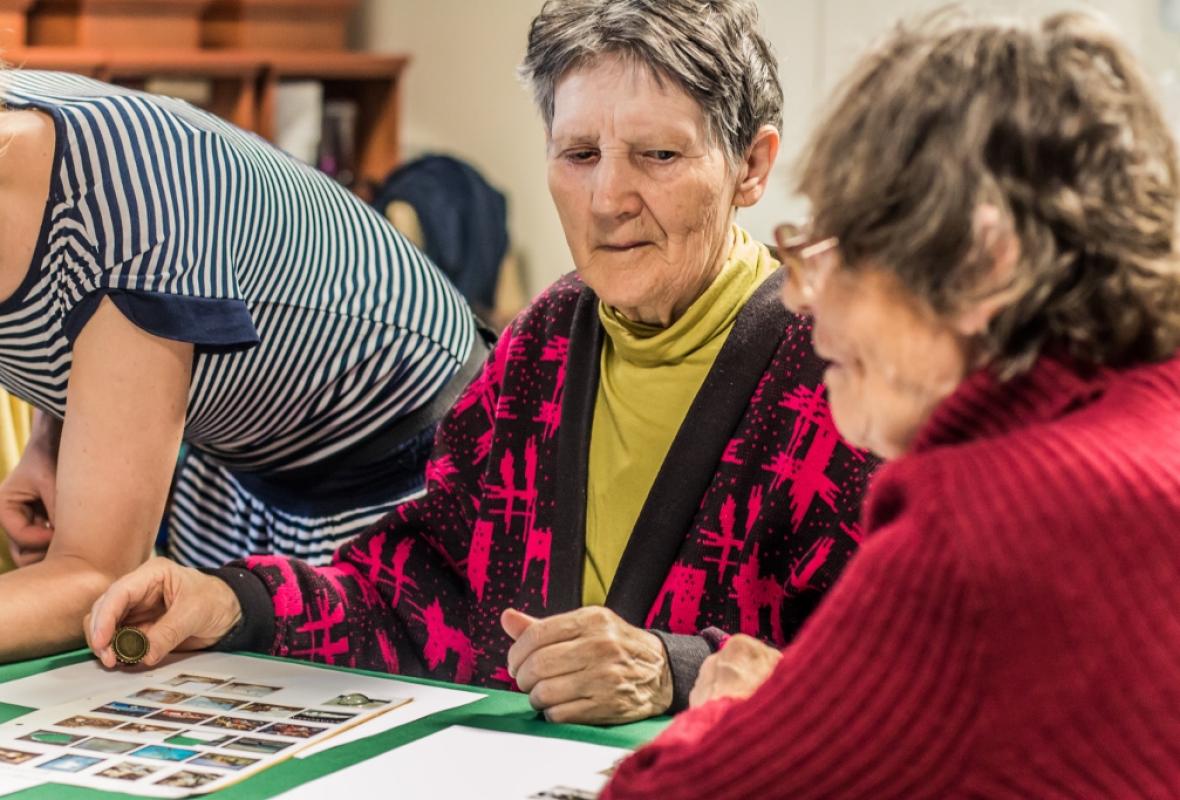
(876, 698)
(395, 598)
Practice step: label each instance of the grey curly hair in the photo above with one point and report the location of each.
(1055, 126)
(710, 48)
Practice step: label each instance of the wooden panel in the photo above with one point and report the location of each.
(184, 63)
(13, 22)
(329, 66)
(79, 60)
(378, 144)
(244, 84)
(116, 23)
(233, 77)
(373, 82)
(284, 24)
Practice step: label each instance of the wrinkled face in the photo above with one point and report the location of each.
(644, 194)
(892, 359)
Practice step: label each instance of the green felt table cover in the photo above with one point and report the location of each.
(498, 710)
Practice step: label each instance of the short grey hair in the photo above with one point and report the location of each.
(712, 49)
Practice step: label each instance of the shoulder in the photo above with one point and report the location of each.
(552, 311)
(1106, 466)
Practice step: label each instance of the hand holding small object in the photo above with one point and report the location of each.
(170, 606)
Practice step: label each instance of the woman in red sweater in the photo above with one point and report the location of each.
(993, 272)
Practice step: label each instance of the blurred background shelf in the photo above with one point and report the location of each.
(295, 24)
(231, 57)
(116, 23)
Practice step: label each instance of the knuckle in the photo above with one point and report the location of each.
(525, 680)
(603, 617)
(541, 695)
(747, 644)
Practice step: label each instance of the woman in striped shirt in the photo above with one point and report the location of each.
(168, 278)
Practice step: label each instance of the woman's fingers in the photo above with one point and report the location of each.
(29, 532)
(175, 607)
(167, 633)
(136, 593)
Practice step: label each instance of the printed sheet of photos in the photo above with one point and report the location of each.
(187, 735)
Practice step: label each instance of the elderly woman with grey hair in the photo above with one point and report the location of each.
(993, 268)
(646, 463)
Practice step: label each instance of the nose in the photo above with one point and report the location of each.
(616, 188)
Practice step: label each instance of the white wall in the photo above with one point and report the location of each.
(462, 96)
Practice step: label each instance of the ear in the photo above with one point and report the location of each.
(754, 171)
(1001, 247)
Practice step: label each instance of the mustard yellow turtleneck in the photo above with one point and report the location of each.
(649, 378)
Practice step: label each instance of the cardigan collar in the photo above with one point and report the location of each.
(688, 468)
(982, 406)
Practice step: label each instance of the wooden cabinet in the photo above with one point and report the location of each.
(371, 82)
(14, 22)
(289, 24)
(116, 23)
(241, 49)
(244, 85)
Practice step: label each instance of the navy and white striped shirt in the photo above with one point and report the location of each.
(315, 322)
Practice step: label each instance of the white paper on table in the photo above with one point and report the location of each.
(90, 678)
(74, 682)
(11, 783)
(465, 763)
(84, 688)
(307, 681)
(427, 700)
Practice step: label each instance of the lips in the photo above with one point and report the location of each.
(622, 246)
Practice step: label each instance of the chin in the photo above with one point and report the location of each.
(619, 288)
(855, 433)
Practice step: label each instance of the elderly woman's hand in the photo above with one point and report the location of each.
(737, 670)
(177, 608)
(588, 666)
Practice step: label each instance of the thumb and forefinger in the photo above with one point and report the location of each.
(128, 597)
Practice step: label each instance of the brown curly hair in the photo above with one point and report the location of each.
(1055, 127)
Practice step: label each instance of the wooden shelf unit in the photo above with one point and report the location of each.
(245, 82)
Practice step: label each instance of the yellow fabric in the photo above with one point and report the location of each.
(16, 420)
(649, 378)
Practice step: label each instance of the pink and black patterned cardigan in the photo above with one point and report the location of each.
(751, 518)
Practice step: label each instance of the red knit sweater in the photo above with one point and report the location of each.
(1010, 629)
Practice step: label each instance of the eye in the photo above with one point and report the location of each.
(580, 155)
(662, 156)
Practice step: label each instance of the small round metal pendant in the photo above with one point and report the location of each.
(131, 645)
(353, 699)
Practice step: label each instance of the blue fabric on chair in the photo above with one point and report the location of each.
(464, 221)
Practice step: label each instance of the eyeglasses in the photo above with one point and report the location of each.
(809, 261)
